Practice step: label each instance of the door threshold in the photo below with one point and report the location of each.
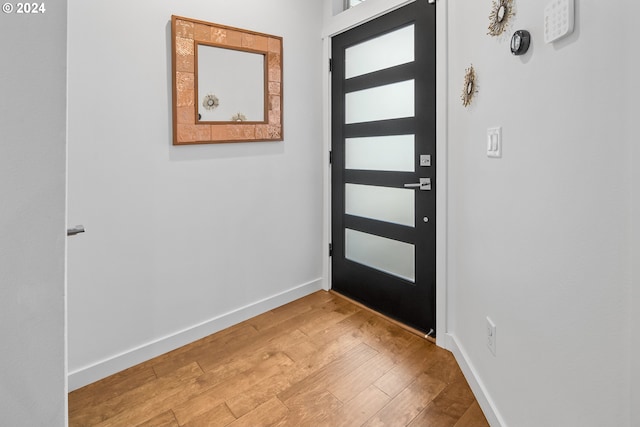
(407, 328)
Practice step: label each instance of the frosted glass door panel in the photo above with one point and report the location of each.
(391, 256)
(389, 50)
(395, 205)
(392, 101)
(382, 153)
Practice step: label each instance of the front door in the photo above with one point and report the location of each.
(383, 165)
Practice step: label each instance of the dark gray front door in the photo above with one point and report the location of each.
(384, 163)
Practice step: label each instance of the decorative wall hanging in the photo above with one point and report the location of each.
(470, 86)
(244, 67)
(210, 102)
(501, 13)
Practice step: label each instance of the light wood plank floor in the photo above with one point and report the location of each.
(318, 361)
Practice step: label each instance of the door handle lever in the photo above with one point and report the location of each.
(75, 230)
(424, 184)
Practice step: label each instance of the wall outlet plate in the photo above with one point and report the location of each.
(491, 335)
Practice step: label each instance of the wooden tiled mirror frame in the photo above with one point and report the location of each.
(186, 35)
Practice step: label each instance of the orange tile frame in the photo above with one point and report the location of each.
(186, 34)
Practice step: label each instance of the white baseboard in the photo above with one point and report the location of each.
(479, 390)
(89, 374)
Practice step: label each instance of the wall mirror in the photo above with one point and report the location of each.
(227, 84)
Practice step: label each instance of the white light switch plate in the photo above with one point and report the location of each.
(494, 142)
(491, 335)
(558, 20)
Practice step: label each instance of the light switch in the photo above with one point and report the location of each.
(491, 335)
(494, 142)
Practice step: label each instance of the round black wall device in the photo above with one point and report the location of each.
(520, 42)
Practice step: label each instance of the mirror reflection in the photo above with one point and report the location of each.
(230, 85)
(501, 13)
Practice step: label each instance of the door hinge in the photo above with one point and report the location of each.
(330, 157)
(330, 249)
(330, 65)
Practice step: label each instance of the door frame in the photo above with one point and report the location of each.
(342, 22)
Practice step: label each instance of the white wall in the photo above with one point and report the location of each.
(635, 262)
(633, 112)
(539, 240)
(32, 217)
(182, 241)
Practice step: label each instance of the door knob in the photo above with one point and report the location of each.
(75, 230)
(424, 184)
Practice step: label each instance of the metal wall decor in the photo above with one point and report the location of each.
(470, 87)
(501, 13)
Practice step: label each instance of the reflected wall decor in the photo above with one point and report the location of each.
(227, 84)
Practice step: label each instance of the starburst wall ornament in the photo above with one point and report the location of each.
(239, 118)
(470, 86)
(210, 102)
(501, 13)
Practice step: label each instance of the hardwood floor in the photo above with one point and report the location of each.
(318, 361)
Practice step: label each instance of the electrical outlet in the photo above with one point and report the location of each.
(491, 335)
